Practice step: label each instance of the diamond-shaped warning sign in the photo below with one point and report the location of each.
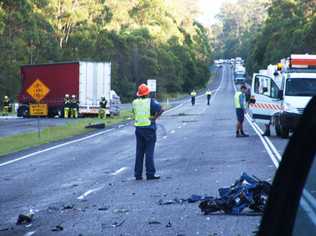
(38, 90)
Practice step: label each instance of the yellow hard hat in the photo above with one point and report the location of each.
(6, 97)
(279, 66)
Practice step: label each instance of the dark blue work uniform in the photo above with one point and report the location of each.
(146, 139)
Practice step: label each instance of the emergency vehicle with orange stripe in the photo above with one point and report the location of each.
(280, 93)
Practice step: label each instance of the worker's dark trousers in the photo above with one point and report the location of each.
(145, 147)
(208, 99)
(193, 101)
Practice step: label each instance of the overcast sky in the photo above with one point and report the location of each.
(209, 9)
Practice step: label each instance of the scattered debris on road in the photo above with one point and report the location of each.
(247, 192)
(96, 126)
(169, 225)
(58, 228)
(25, 219)
(103, 208)
(154, 222)
(4, 229)
(120, 211)
(68, 206)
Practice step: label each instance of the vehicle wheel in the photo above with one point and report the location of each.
(277, 127)
(25, 113)
(284, 132)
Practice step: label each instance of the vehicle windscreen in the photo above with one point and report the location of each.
(300, 87)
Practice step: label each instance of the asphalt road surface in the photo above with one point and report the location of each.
(87, 186)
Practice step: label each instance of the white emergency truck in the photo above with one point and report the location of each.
(281, 94)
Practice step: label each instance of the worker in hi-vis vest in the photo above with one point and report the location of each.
(240, 105)
(208, 96)
(146, 110)
(193, 95)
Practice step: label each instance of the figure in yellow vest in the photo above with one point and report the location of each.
(193, 95)
(146, 110)
(102, 109)
(74, 107)
(6, 106)
(240, 105)
(208, 96)
(67, 106)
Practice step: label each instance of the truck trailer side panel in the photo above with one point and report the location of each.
(60, 78)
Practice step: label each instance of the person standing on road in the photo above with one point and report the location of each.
(193, 95)
(74, 107)
(146, 110)
(67, 106)
(208, 96)
(6, 106)
(102, 109)
(240, 105)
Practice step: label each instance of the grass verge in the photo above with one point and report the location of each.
(23, 141)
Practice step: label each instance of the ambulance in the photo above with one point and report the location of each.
(281, 93)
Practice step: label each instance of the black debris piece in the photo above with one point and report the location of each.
(4, 229)
(58, 228)
(24, 219)
(95, 126)
(169, 225)
(103, 208)
(153, 222)
(68, 206)
(247, 192)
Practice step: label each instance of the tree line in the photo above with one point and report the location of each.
(264, 31)
(143, 39)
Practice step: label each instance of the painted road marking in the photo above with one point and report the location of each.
(55, 147)
(83, 196)
(119, 171)
(172, 131)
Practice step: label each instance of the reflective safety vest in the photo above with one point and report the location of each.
(141, 108)
(208, 93)
(193, 94)
(237, 100)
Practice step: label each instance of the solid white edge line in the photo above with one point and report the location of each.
(56, 147)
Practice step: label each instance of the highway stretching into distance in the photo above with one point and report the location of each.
(86, 185)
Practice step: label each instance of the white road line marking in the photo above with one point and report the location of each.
(55, 147)
(83, 196)
(119, 171)
(30, 233)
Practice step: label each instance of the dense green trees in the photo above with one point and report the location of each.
(142, 38)
(265, 31)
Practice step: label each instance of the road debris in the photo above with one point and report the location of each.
(247, 192)
(25, 219)
(103, 208)
(169, 225)
(154, 222)
(58, 228)
(4, 229)
(96, 126)
(68, 206)
(118, 224)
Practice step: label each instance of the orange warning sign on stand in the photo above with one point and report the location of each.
(38, 90)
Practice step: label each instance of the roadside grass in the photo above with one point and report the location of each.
(23, 141)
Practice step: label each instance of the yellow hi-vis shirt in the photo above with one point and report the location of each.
(141, 109)
(193, 94)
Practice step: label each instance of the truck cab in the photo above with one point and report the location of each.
(281, 97)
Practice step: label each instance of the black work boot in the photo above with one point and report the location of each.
(267, 132)
(243, 134)
(154, 177)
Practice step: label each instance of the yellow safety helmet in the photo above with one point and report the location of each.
(279, 66)
(6, 97)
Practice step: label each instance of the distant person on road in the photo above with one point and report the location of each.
(240, 105)
(74, 107)
(6, 106)
(146, 110)
(67, 106)
(193, 95)
(208, 96)
(102, 109)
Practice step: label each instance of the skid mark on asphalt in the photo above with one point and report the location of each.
(83, 196)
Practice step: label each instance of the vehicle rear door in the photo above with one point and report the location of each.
(266, 94)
